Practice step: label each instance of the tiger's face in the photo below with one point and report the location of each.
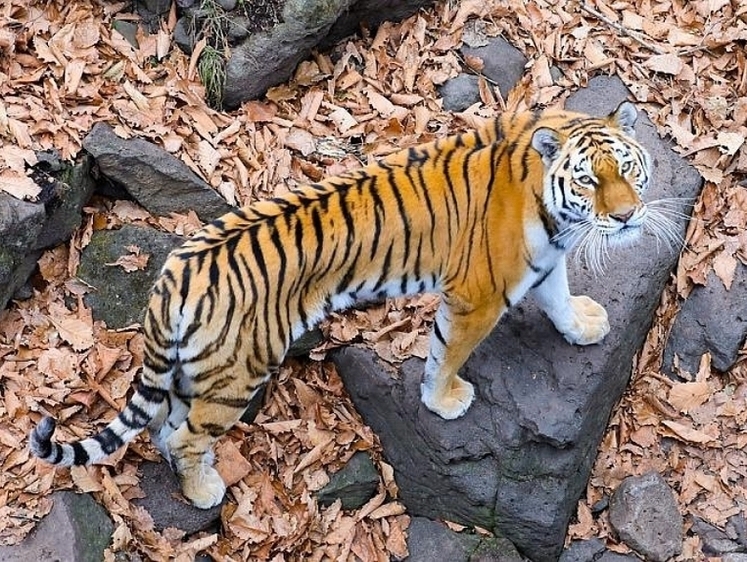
(603, 184)
(595, 174)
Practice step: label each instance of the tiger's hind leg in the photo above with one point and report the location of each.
(191, 445)
(191, 450)
(174, 412)
(458, 328)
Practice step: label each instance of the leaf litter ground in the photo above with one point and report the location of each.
(63, 68)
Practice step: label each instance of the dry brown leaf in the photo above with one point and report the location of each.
(133, 261)
(19, 185)
(78, 333)
(686, 396)
(666, 64)
(231, 464)
(687, 432)
(725, 266)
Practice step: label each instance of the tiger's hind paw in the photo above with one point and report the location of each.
(452, 403)
(589, 323)
(205, 488)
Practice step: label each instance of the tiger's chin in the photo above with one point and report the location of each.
(625, 236)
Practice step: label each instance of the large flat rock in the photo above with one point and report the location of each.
(518, 461)
(157, 180)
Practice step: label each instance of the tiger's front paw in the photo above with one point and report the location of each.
(451, 403)
(203, 487)
(588, 323)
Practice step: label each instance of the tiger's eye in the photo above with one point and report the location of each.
(587, 181)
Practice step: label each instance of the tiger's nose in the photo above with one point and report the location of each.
(623, 216)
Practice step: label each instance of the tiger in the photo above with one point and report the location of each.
(479, 217)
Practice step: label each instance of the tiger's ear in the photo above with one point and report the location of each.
(546, 141)
(624, 118)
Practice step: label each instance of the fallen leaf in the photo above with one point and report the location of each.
(687, 432)
(666, 64)
(686, 396)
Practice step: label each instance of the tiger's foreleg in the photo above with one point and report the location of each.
(580, 319)
(458, 328)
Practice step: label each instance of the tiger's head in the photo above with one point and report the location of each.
(595, 174)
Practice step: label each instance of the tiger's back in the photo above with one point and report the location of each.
(480, 217)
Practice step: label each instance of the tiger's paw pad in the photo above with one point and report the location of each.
(204, 490)
(453, 403)
(589, 322)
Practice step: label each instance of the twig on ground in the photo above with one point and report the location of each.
(622, 29)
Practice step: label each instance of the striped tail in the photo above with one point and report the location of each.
(140, 410)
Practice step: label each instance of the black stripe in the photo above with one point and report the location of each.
(109, 441)
(438, 334)
(80, 455)
(541, 278)
(428, 202)
(384, 275)
(403, 216)
(531, 265)
(378, 209)
(151, 393)
(280, 252)
(547, 222)
(134, 416)
(316, 222)
(58, 453)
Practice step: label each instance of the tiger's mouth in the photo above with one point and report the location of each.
(625, 234)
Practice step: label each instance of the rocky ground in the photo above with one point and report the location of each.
(660, 444)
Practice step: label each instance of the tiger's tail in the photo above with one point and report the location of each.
(137, 414)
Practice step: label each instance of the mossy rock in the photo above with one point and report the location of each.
(119, 298)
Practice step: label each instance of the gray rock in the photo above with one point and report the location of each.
(736, 528)
(700, 326)
(496, 549)
(120, 298)
(429, 541)
(715, 541)
(583, 551)
(268, 58)
(26, 229)
(616, 557)
(644, 514)
(238, 29)
(63, 202)
(432, 541)
(157, 7)
(157, 180)
(460, 92)
(503, 63)
(353, 485)
(165, 504)
(305, 343)
(184, 34)
(128, 30)
(227, 5)
(518, 461)
(734, 557)
(76, 529)
(370, 13)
